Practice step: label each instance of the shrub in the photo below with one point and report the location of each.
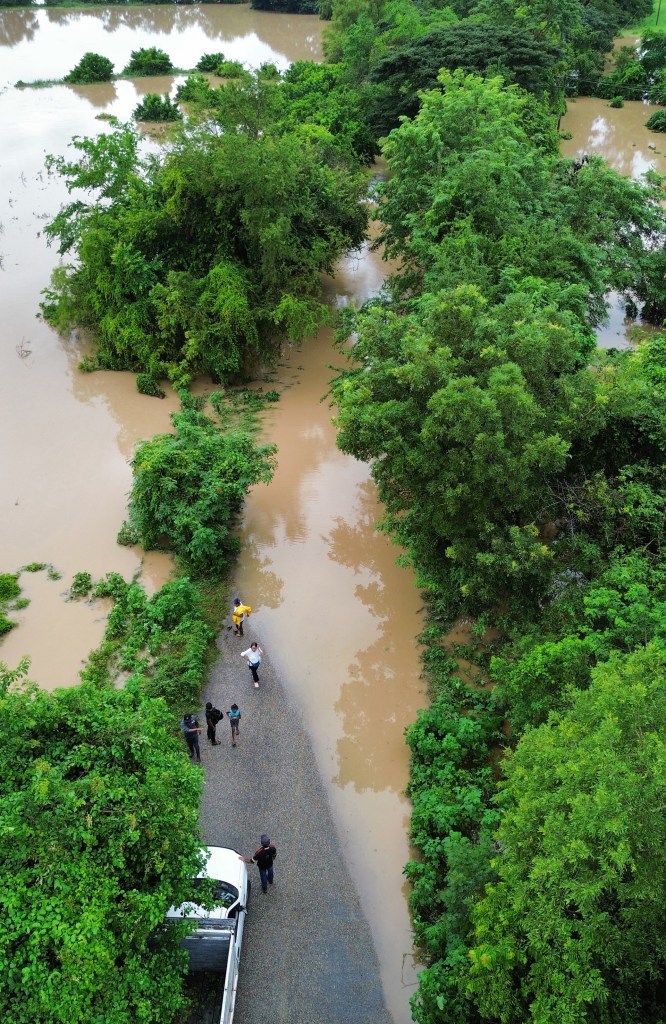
(269, 72)
(145, 382)
(210, 62)
(81, 585)
(657, 122)
(189, 489)
(5, 624)
(230, 69)
(9, 587)
(617, 101)
(195, 89)
(156, 108)
(149, 61)
(91, 68)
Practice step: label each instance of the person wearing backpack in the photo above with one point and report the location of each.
(212, 718)
(263, 857)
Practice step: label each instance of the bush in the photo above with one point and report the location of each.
(210, 62)
(189, 489)
(81, 585)
(195, 89)
(145, 382)
(156, 108)
(9, 587)
(268, 72)
(617, 101)
(91, 68)
(230, 69)
(149, 61)
(657, 122)
(5, 624)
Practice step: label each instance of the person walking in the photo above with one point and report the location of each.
(213, 715)
(263, 857)
(239, 613)
(253, 657)
(234, 718)
(191, 729)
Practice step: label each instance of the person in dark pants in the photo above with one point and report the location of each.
(253, 657)
(234, 718)
(212, 718)
(191, 730)
(263, 857)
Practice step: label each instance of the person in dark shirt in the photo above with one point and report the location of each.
(191, 729)
(212, 718)
(263, 857)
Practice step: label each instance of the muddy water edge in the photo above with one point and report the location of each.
(335, 613)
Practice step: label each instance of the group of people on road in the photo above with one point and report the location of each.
(265, 854)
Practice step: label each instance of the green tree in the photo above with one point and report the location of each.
(479, 48)
(91, 68)
(465, 410)
(99, 837)
(154, 107)
(189, 488)
(148, 61)
(200, 262)
(574, 928)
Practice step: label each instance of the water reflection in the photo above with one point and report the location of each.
(19, 26)
(101, 94)
(49, 42)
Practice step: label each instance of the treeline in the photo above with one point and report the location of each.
(523, 471)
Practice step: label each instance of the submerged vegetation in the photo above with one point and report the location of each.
(521, 470)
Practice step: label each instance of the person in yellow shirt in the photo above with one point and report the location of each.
(239, 613)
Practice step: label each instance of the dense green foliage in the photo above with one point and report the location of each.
(189, 488)
(148, 61)
(524, 474)
(91, 68)
(197, 262)
(573, 929)
(210, 61)
(99, 812)
(154, 107)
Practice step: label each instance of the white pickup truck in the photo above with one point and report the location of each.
(215, 943)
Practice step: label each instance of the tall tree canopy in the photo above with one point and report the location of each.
(99, 816)
(574, 930)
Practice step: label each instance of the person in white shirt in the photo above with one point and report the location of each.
(253, 657)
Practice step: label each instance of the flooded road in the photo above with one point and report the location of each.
(339, 619)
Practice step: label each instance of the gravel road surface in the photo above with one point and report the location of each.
(308, 955)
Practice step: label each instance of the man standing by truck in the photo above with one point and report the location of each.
(263, 857)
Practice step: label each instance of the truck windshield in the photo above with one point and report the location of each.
(225, 895)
